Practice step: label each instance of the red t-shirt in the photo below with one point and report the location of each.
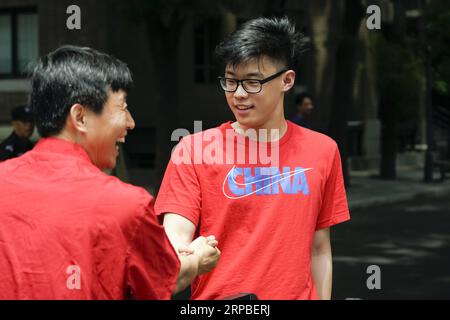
(69, 231)
(263, 216)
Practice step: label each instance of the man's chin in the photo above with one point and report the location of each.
(112, 165)
(107, 166)
(108, 170)
(246, 123)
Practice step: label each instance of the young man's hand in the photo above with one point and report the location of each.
(207, 252)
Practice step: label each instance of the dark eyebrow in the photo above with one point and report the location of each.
(255, 74)
(251, 74)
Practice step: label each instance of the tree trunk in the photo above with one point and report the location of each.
(347, 57)
(326, 20)
(164, 47)
(388, 147)
(388, 113)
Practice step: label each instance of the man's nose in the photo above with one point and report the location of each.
(240, 92)
(130, 121)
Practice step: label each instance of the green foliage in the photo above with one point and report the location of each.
(400, 79)
(401, 72)
(438, 34)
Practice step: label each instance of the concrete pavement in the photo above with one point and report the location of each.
(367, 190)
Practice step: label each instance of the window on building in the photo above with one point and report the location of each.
(206, 38)
(18, 42)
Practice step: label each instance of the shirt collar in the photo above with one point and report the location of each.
(60, 146)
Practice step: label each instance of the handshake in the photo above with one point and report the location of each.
(205, 250)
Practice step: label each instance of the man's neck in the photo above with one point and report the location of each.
(67, 136)
(269, 132)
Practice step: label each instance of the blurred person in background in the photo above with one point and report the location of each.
(305, 108)
(19, 141)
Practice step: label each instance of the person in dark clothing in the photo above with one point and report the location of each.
(305, 107)
(19, 141)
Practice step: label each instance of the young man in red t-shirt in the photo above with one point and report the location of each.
(271, 218)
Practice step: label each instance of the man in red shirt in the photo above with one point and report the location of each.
(272, 218)
(68, 230)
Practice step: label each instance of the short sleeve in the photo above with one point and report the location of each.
(153, 265)
(180, 190)
(334, 209)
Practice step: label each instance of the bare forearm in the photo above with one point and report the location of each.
(188, 271)
(196, 257)
(188, 264)
(322, 269)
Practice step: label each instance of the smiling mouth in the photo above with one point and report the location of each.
(119, 142)
(243, 108)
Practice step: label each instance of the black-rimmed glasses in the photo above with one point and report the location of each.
(249, 85)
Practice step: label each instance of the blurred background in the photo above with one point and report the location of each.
(381, 92)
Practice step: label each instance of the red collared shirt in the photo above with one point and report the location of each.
(69, 231)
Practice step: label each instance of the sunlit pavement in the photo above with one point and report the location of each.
(409, 241)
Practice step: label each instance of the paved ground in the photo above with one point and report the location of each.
(409, 241)
(368, 190)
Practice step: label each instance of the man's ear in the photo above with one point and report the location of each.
(77, 117)
(288, 80)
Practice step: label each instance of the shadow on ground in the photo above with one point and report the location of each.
(409, 241)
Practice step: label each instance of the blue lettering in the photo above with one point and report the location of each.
(266, 176)
(232, 182)
(300, 183)
(285, 181)
(249, 180)
(267, 180)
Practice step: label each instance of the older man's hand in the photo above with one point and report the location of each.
(207, 252)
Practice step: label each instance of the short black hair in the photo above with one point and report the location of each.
(275, 38)
(302, 96)
(72, 75)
